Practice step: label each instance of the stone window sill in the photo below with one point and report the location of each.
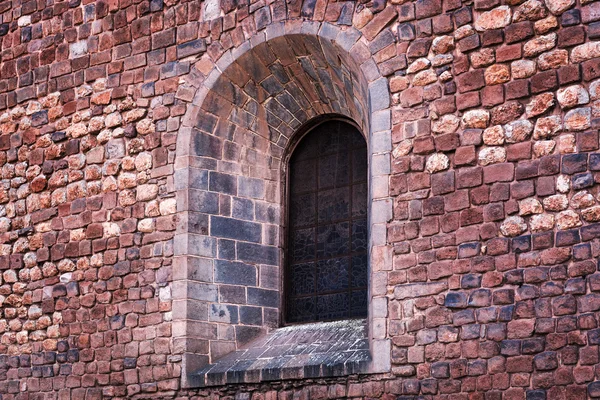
(314, 350)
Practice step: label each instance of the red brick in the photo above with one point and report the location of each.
(492, 95)
(465, 155)
(517, 89)
(498, 173)
(508, 53)
(467, 100)
(544, 81)
(470, 81)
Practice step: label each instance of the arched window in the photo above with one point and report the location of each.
(326, 269)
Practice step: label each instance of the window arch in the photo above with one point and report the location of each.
(326, 276)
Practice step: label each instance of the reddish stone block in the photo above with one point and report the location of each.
(447, 142)
(569, 74)
(545, 186)
(549, 165)
(519, 151)
(461, 64)
(94, 231)
(521, 190)
(516, 32)
(463, 16)
(493, 212)
(411, 97)
(587, 141)
(527, 169)
(442, 182)
(433, 206)
(471, 216)
(508, 53)
(492, 37)
(571, 36)
(469, 177)
(480, 195)
(544, 81)
(469, 43)
(442, 24)
(445, 105)
(467, 100)
(471, 137)
(429, 226)
(465, 155)
(517, 89)
(418, 181)
(470, 81)
(492, 95)
(427, 8)
(419, 48)
(498, 173)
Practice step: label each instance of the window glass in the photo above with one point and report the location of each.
(326, 272)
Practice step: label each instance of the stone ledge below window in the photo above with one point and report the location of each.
(315, 350)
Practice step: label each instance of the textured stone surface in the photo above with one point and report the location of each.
(142, 150)
(547, 127)
(476, 119)
(494, 136)
(513, 226)
(492, 155)
(497, 18)
(557, 7)
(540, 104)
(530, 206)
(572, 96)
(541, 222)
(437, 162)
(518, 131)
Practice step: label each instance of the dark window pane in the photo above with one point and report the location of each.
(306, 149)
(303, 278)
(334, 170)
(333, 274)
(359, 271)
(327, 270)
(359, 200)
(333, 306)
(358, 140)
(303, 176)
(332, 240)
(358, 303)
(334, 204)
(302, 245)
(336, 140)
(359, 165)
(303, 209)
(359, 236)
(302, 310)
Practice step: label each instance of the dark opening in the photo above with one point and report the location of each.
(326, 273)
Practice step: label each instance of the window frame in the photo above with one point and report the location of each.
(295, 140)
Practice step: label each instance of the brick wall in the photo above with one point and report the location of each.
(485, 217)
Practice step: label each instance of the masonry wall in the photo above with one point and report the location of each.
(488, 277)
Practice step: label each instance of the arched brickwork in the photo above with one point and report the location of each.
(229, 175)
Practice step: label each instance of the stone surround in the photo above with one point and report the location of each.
(246, 151)
(143, 154)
